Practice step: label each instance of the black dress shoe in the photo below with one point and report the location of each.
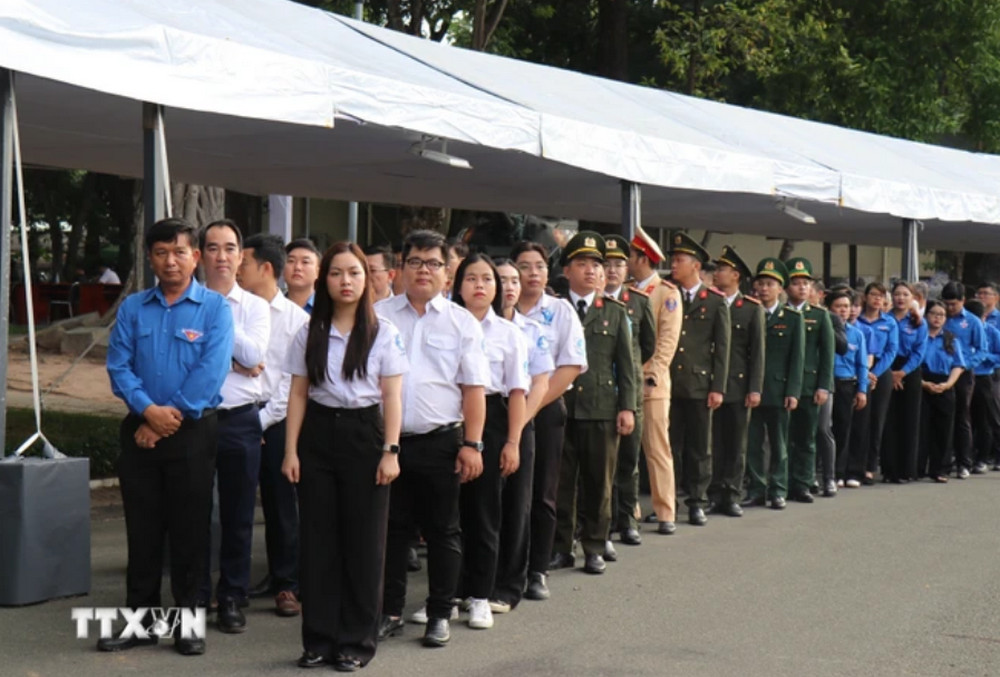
(189, 646)
(347, 664)
(389, 627)
(537, 589)
(311, 659)
(753, 502)
(263, 589)
(413, 561)
(778, 503)
(650, 519)
(594, 564)
(124, 643)
(562, 560)
(666, 528)
(230, 618)
(814, 488)
(730, 510)
(696, 517)
(437, 633)
(830, 488)
(630, 536)
(803, 497)
(610, 554)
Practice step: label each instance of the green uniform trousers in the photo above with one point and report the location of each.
(590, 454)
(768, 471)
(626, 490)
(802, 446)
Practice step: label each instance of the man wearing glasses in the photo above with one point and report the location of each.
(382, 268)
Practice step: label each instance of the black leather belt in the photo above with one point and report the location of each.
(440, 430)
(243, 408)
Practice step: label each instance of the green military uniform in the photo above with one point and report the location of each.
(731, 421)
(700, 366)
(592, 406)
(625, 495)
(817, 375)
(783, 347)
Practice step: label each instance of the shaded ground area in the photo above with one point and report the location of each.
(85, 389)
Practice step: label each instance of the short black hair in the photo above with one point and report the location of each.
(460, 248)
(268, 249)
(425, 239)
(975, 307)
(302, 243)
(953, 291)
(528, 246)
(224, 223)
(989, 284)
(388, 257)
(168, 230)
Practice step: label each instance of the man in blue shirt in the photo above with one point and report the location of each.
(968, 332)
(168, 356)
(988, 294)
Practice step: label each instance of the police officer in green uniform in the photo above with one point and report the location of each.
(626, 486)
(783, 348)
(744, 385)
(698, 373)
(600, 406)
(817, 381)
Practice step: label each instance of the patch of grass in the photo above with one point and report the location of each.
(77, 435)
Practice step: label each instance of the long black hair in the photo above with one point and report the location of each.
(915, 319)
(456, 285)
(365, 322)
(947, 337)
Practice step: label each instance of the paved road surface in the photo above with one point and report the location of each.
(878, 581)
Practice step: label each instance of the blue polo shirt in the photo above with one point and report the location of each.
(883, 340)
(968, 330)
(853, 363)
(912, 343)
(176, 355)
(940, 362)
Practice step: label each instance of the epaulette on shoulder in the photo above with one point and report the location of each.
(610, 299)
(716, 292)
(794, 310)
(633, 290)
(668, 284)
(752, 299)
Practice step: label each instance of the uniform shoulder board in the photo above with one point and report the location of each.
(668, 284)
(751, 299)
(716, 292)
(793, 310)
(638, 292)
(617, 302)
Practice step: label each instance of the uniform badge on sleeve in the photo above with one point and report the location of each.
(192, 335)
(671, 305)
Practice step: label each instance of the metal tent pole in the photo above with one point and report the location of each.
(6, 222)
(852, 265)
(352, 206)
(631, 208)
(911, 236)
(153, 189)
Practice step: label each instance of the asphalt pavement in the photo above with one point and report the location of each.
(885, 580)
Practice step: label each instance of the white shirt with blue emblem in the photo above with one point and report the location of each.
(562, 331)
(507, 352)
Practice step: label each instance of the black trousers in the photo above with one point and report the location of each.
(515, 525)
(901, 439)
(690, 438)
(586, 477)
(937, 428)
(550, 433)
(986, 413)
(343, 530)
(425, 495)
(730, 424)
(237, 467)
(481, 508)
(625, 489)
(281, 513)
(167, 490)
(878, 404)
(844, 391)
(826, 445)
(963, 420)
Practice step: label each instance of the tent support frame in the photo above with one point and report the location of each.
(631, 209)
(154, 192)
(6, 221)
(911, 242)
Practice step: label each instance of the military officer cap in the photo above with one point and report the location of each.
(772, 268)
(647, 246)
(684, 244)
(730, 257)
(586, 243)
(799, 267)
(616, 247)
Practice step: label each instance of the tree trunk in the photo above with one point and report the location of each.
(199, 205)
(692, 73)
(87, 192)
(612, 39)
(485, 19)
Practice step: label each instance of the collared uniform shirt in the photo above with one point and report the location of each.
(940, 362)
(993, 319)
(912, 343)
(562, 331)
(968, 330)
(387, 357)
(539, 357)
(252, 329)
(991, 358)
(507, 352)
(286, 321)
(883, 341)
(176, 355)
(853, 363)
(446, 350)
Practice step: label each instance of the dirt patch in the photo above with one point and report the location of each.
(85, 388)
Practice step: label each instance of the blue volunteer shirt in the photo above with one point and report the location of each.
(175, 355)
(883, 341)
(853, 363)
(938, 361)
(991, 356)
(912, 343)
(968, 331)
(993, 319)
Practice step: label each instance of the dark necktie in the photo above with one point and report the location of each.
(581, 309)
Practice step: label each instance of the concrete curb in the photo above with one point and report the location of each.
(105, 483)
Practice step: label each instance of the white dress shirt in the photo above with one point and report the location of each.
(562, 331)
(446, 350)
(387, 357)
(252, 327)
(109, 277)
(286, 321)
(687, 294)
(507, 352)
(539, 357)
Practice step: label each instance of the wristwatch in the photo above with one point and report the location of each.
(391, 448)
(478, 446)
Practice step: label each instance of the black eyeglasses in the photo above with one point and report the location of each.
(415, 263)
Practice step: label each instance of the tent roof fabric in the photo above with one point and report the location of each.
(268, 96)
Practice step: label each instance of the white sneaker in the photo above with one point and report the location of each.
(420, 615)
(480, 616)
(852, 484)
(963, 473)
(498, 607)
(840, 483)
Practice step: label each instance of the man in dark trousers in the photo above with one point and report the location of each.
(168, 356)
(600, 407)
(698, 372)
(744, 385)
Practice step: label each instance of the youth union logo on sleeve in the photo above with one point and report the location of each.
(399, 344)
(547, 315)
(581, 348)
(543, 343)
